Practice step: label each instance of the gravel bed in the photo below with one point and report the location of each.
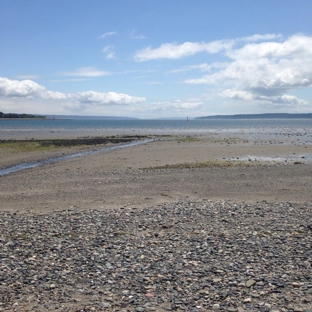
(182, 256)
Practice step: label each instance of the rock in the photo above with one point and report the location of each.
(106, 305)
(51, 260)
(250, 283)
(216, 306)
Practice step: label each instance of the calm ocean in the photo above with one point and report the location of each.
(249, 127)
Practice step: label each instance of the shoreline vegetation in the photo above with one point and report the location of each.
(73, 142)
(20, 116)
(32, 145)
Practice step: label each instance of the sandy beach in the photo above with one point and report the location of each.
(206, 223)
(148, 174)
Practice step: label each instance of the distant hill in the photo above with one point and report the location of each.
(258, 116)
(14, 115)
(89, 117)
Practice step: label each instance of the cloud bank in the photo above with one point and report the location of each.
(250, 73)
(261, 68)
(176, 51)
(265, 71)
(30, 89)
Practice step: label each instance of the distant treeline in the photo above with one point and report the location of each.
(13, 115)
(258, 116)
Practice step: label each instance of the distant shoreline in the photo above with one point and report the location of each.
(14, 116)
(20, 116)
(259, 116)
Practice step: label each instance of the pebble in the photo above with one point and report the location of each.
(216, 306)
(179, 256)
(250, 283)
(295, 284)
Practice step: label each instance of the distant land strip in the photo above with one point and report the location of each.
(259, 116)
(13, 115)
(89, 117)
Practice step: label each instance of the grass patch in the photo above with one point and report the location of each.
(27, 146)
(47, 144)
(187, 139)
(206, 164)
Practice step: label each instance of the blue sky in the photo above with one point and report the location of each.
(152, 59)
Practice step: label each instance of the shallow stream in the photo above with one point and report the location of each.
(34, 164)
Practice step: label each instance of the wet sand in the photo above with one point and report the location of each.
(147, 174)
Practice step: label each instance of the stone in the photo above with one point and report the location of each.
(106, 305)
(83, 257)
(250, 283)
(296, 285)
(149, 295)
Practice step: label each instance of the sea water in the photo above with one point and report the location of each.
(252, 127)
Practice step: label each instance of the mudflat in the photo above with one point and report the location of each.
(160, 171)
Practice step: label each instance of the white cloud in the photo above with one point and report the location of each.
(284, 100)
(175, 51)
(106, 98)
(54, 95)
(16, 88)
(202, 67)
(258, 37)
(69, 80)
(288, 100)
(176, 106)
(29, 89)
(185, 105)
(136, 36)
(107, 48)
(31, 77)
(107, 34)
(297, 45)
(265, 71)
(110, 54)
(239, 95)
(86, 72)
